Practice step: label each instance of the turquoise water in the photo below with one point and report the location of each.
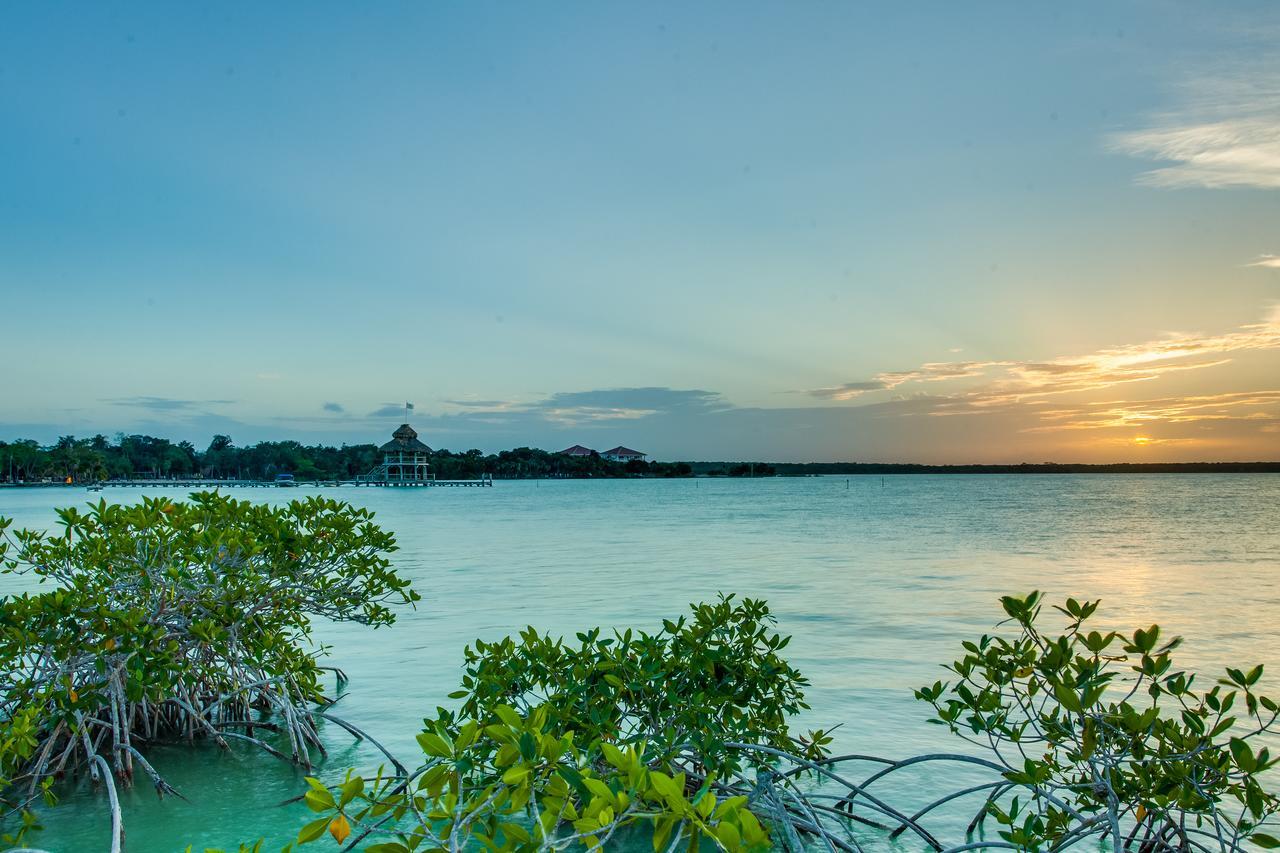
(878, 579)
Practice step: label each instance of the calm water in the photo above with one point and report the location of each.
(877, 579)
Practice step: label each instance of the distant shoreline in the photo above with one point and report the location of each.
(83, 461)
(801, 469)
(741, 470)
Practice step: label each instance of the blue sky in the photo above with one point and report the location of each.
(786, 231)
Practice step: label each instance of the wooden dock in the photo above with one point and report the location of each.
(428, 482)
(181, 484)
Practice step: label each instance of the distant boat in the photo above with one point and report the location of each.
(285, 480)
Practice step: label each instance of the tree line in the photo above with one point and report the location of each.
(144, 456)
(83, 460)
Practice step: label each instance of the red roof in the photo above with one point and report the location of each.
(577, 450)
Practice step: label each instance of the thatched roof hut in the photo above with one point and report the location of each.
(404, 440)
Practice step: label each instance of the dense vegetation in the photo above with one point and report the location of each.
(559, 745)
(1091, 740)
(125, 456)
(98, 458)
(176, 620)
(1101, 741)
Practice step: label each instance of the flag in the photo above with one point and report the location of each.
(408, 407)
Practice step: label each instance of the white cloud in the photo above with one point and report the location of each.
(1225, 134)
(1269, 261)
(1233, 153)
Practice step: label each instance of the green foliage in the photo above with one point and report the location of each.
(1097, 741)
(1100, 737)
(177, 619)
(697, 683)
(94, 459)
(559, 745)
(515, 782)
(144, 456)
(753, 469)
(530, 463)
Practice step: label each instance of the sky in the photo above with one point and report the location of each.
(928, 232)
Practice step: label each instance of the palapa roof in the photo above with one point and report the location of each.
(623, 451)
(577, 450)
(404, 440)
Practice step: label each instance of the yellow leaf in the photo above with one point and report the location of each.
(74, 694)
(515, 775)
(339, 828)
(110, 643)
(1142, 813)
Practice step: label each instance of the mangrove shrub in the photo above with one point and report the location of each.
(561, 744)
(1100, 738)
(172, 619)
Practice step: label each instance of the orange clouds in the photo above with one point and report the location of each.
(1029, 386)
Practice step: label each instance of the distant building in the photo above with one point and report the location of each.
(577, 450)
(623, 454)
(404, 459)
